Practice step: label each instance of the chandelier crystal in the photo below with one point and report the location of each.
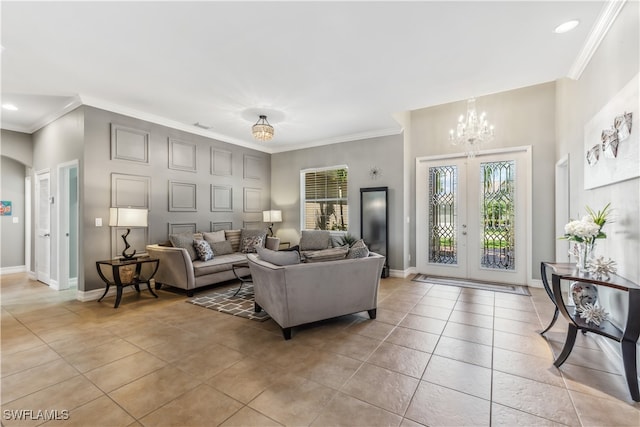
(473, 131)
(262, 130)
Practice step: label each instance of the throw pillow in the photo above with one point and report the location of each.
(358, 250)
(203, 249)
(221, 248)
(247, 232)
(331, 254)
(185, 241)
(278, 257)
(250, 244)
(214, 236)
(233, 236)
(313, 240)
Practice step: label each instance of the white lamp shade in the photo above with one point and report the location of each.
(128, 217)
(272, 216)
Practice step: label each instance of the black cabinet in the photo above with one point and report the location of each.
(374, 229)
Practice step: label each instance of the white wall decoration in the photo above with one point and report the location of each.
(612, 146)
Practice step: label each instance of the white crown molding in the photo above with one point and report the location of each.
(338, 140)
(49, 118)
(599, 30)
(141, 115)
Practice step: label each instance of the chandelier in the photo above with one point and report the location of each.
(262, 130)
(471, 132)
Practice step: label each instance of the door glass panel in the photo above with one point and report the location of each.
(443, 181)
(497, 237)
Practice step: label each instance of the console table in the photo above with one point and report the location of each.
(127, 272)
(628, 337)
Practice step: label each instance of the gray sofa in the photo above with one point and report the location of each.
(178, 270)
(297, 294)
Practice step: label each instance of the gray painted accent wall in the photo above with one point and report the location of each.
(613, 65)
(98, 167)
(385, 152)
(12, 189)
(521, 117)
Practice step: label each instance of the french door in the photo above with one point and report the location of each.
(472, 216)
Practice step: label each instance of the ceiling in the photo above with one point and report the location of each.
(322, 72)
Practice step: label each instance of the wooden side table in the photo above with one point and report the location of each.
(127, 272)
(627, 337)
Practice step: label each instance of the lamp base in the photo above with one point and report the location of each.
(127, 246)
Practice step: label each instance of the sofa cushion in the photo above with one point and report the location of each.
(233, 236)
(217, 264)
(221, 248)
(279, 257)
(313, 240)
(185, 241)
(358, 250)
(214, 236)
(251, 243)
(331, 254)
(203, 250)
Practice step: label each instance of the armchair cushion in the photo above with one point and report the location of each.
(313, 240)
(279, 257)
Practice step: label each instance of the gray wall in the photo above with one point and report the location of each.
(59, 142)
(17, 145)
(614, 64)
(17, 157)
(12, 189)
(96, 243)
(384, 152)
(521, 117)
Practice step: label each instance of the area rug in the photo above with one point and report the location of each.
(486, 286)
(224, 301)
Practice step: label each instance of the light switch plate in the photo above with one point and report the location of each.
(16, 219)
(98, 222)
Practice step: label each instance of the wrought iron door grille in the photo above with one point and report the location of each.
(498, 215)
(442, 185)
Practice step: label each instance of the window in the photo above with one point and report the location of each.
(324, 199)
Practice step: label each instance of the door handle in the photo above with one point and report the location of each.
(464, 233)
(47, 235)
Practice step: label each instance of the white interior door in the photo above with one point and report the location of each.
(43, 227)
(472, 217)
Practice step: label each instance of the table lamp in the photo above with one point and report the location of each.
(127, 217)
(271, 217)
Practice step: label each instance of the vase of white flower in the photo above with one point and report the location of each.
(583, 233)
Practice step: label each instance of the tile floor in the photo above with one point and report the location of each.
(436, 355)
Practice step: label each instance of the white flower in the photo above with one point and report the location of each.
(584, 228)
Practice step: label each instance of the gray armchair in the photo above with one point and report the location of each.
(297, 294)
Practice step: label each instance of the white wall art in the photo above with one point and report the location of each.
(612, 140)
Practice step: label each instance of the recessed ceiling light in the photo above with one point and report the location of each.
(10, 107)
(566, 27)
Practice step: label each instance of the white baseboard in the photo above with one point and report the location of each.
(53, 284)
(535, 283)
(13, 270)
(95, 294)
(73, 282)
(403, 274)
